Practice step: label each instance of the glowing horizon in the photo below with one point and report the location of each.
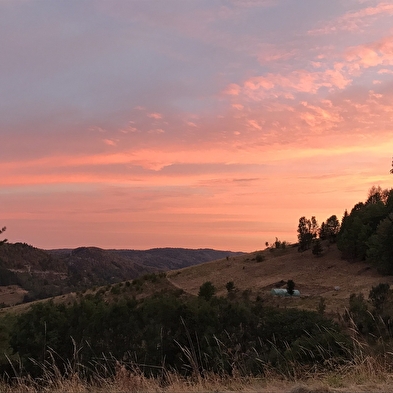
(190, 124)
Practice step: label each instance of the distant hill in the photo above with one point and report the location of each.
(174, 258)
(253, 275)
(46, 273)
(95, 266)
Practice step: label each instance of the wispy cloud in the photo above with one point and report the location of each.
(356, 21)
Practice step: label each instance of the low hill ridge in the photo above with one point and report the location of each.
(46, 273)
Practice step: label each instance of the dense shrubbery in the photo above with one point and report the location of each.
(177, 332)
(373, 318)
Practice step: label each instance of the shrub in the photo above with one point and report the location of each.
(259, 258)
(230, 286)
(317, 248)
(207, 290)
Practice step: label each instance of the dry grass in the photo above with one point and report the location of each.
(314, 277)
(362, 375)
(11, 294)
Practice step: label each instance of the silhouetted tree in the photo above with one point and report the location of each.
(307, 232)
(380, 247)
(317, 248)
(367, 232)
(207, 290)
(304, 235)
(330, 229)
(1, 231)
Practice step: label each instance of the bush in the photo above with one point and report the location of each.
(207, 290)
(230, 286)
(259, 258)
(317, 248)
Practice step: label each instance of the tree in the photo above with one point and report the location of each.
(314, 229)
(332, 228)
(304, 234)
(323, 232)
(379, 251)
(1, 231)
(290, 287)
(207, 290)
(366, 233)
(317, 248)
(306, 231)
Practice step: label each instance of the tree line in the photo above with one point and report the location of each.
(366, 233)
(310, 233)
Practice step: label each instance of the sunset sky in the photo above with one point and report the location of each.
(190, 123)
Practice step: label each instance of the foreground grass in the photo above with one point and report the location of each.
(362, 374)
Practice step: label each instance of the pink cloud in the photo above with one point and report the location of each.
(374, 54)
(385, 71)
(254, 124)
(259, 82)
(355, 21)
(271, 53)
(298, 81)
(320, 118)
(155, 115)
(109, 142)
(232, 89)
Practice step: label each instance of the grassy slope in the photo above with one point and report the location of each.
(314, 276)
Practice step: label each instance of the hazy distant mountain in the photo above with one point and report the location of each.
(44, 273)
(174, 258)
(97, 266)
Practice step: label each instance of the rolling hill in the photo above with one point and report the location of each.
(28, 273)
(329, 277)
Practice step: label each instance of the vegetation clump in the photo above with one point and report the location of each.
(180, 333)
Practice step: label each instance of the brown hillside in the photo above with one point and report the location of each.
(315, 277)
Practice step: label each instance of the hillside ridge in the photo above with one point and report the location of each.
(33, 273)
